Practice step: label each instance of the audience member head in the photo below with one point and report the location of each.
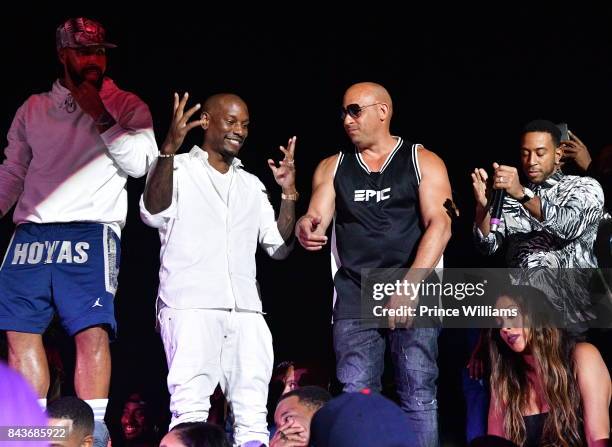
(138, 421)
(361, 420)
(77, 417)
(195, 434)
(296, 408)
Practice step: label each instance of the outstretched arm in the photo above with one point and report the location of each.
(310, 229)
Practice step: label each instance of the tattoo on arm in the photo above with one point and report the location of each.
(286, 219)
(451, 209)
(158, 192)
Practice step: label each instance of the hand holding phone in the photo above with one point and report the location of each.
(575, 150)
(564, 131)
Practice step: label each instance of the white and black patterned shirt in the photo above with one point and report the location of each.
(571, 210)
(555, 255)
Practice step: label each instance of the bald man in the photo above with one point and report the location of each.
(211, 214)
(387, 199)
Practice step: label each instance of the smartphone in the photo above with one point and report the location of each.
(564, 131)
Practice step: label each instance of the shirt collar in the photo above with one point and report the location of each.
(549, 182)
(198, 152)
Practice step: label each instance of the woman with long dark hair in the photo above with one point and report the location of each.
(546, 389)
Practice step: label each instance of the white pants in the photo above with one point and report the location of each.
(206, 347)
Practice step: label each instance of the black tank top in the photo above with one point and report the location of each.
(534, 427)
(377, 222)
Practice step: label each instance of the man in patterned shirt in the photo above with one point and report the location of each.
(549, 224)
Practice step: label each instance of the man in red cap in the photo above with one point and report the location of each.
(69, 153)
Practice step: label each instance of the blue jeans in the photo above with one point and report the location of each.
(360, 362)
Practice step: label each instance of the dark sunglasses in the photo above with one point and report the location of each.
(354, 110)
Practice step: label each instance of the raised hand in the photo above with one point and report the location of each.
(479, 185)
(290, 434)
(575, 149)
(179, 126)
(87, 97)
(284, 174)
(507, 177)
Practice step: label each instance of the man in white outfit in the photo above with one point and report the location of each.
(211, 214)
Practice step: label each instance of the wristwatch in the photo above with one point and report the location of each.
(293, 196)
(528, 194)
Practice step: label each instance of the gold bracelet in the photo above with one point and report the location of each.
(160, 155)
(293, 196)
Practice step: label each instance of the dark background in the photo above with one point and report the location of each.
(464, 80)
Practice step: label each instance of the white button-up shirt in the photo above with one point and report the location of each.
(207, 245)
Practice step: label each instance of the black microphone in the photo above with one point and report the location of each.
(497, 205)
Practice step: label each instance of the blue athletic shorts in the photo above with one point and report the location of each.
(68, 268)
